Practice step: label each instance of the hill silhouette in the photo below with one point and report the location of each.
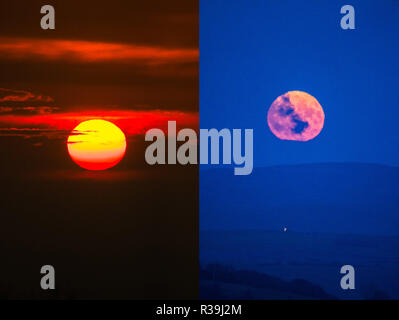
(215, 280)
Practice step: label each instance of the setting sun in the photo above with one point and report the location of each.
(96, 144)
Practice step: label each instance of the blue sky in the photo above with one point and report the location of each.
(252, 52)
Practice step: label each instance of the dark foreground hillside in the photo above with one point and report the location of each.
(314, 257)
(223, 282)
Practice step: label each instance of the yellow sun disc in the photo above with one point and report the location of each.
(96, 144)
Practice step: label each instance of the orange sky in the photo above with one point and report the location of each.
(93, 51)
(138, 69)
(60, 124)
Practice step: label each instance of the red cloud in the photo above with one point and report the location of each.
(11, 95)
(131, 122)
(89, 51)
(28, 133)
(27, 110)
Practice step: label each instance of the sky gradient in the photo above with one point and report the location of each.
(263, 50)
(135, 64)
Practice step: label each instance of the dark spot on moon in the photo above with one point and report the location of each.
(300, 125)
(289, 111)
(285, 111)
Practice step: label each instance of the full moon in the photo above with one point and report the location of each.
(295, 115)
(96, 144)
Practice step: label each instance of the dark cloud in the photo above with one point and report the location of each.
(29, 133)
(12, 95)
(75, 86)
(27, 110)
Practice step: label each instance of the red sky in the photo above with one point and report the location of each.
(134, 63)
(137, 68)
(93, 51)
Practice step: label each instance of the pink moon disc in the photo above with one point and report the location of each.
(295, 115)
